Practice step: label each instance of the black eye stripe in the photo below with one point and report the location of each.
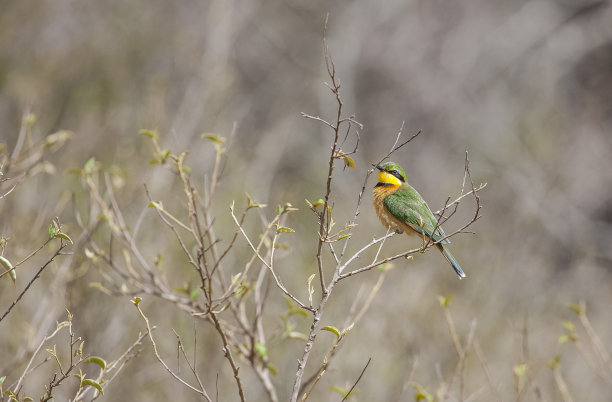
(397, 174)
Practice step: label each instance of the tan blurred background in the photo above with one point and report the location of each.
(525, 86)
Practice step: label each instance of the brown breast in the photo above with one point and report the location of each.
(388, 220)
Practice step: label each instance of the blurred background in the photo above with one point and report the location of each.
(525, 86)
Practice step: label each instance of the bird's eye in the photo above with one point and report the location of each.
(394, 172)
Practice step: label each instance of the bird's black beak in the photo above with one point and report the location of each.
(378, 167)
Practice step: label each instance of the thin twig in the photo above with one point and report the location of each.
(356, 382)
(395, 146)
(228, 354)
(267, 264)
(317, 118)
(34, 278)
(485, 367)
(27, 370)
(191, 366)
(201, 391)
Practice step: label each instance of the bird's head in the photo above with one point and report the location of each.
(390, 174)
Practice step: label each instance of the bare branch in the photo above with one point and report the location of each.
(317, 118)
(228, 354)
(8, 192)
(395, 146)
(34, 278)
(360, 251)
(191, 366)
(200, 391)
(267, 264)
(356, 382)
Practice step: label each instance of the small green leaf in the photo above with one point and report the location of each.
(2, 380)
(92, 383)
(319, 202)
(194, 294)
(97, 360)
(89, 165)
(136, 301)
(79, 350)
(283, 229)
(444, 301)
(184, 290)
(386, 266)
(51, 231)
(52, 352)
(272, 370)
(520, 369)
(569, 326)
(341, 391)
(75, 171)
(27, 399)
(30, 119)
(216, 139)
(348, 162)
(333, 329)
(261, 349)
(564, 338)
(64, 236)
(8, 267)
(422, 394)
(156, 205)
(575, 308)
(251, 203)
(344, 236)
(242, 289)
(289, 302)
(555, 363)
(149, 133)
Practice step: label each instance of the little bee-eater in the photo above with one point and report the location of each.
(401, 208)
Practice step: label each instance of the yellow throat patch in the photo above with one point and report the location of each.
(388, 179)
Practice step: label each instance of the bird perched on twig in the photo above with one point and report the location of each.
(401, 208)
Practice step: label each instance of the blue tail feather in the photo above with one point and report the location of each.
(452, 261)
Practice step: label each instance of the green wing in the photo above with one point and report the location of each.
(408, 206)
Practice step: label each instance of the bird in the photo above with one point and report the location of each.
(402, 209)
